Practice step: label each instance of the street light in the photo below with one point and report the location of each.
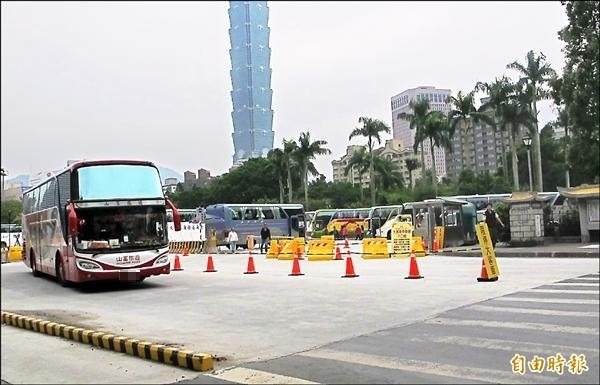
(527, 143)
(4, 173)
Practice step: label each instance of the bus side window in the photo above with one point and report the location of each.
(267, 213)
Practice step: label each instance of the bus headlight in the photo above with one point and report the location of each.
(161, 260)
(88, 265)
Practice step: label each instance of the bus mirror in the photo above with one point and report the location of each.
(73, 221)
(176, 216)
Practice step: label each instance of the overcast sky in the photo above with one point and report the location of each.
(150, 80)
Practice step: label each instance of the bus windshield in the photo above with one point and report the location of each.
(118, 181)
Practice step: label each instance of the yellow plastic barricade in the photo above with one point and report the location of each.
(15, 253)
(273, 251)
(375, 248)
(288, 251)
(416, 246)
(326, 237)
(320, 249)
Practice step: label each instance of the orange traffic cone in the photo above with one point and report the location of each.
(349, 269)
(414, 269)
(338, 255)
(346, 245)
(210, 268)
(435, 247)
(484, 275)
(296, 268)
(185, 250)
(250, 269)
(177, 265)
(299, 254)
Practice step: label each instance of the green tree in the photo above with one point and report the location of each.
(372, 130)
(11, 211)
(535, 74)
(463, 115)
(289, 148)
(437, 130)
(411, 165)
(306, 151)
(416, 121)
(359, 161)
(277, 163)
(387, 174)
(581, 87)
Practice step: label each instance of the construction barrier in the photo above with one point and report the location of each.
(320, 249)
(273, 251)
(326, 237)
(375, 248)
(417, 246)
(300, 241)
(288, 249)
(12, 254)
(211, 245)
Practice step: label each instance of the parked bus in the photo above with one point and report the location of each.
(98, 220)
(284, 220)
(308, 217)
(378, 216)
(320, 221)
(351, 218)
(11, 235)
(192, 226)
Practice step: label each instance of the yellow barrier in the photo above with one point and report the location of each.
(320, 249)
(375, 248)
(273, 251)
(326, 237)
(288, 251)
(416, 246)
(15, 254)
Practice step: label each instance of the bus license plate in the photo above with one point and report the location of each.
(129, 275)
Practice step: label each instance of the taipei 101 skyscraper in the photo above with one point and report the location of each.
(251, 92)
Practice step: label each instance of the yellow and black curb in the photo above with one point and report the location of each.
(143, 349)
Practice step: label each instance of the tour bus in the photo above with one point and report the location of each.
(351, 218)
(378, 216)
(283, 220)
(318, 224)
(192, 226)
(308, 217)
(11, 235)
(98, 220)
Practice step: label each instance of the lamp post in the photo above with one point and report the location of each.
(527, 143)
(4, 173)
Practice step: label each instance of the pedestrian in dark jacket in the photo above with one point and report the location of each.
(265, 238)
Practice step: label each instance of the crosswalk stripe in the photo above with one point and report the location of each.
(513, 325)
(427, 367)
(550, 300)
(252, 376)
(534, 311)
(560, 291)
(513, 346)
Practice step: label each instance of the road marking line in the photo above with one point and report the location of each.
(590, 284)
(426, 367)
(584, 278)
(550, 300)
(534, 311)
(495, 344)
(513, 325)
(253, 376)
(560, 291)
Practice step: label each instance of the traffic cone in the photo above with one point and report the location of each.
(210, 268)
(349, 269)
(484, 276)
(250, 269)
(185, 250)
(177, 265)
(435, 247)
(299, 254)
(346, 245)
(414, 269)
(338, 255)
(296, 268)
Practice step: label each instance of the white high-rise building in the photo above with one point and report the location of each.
(401, 128)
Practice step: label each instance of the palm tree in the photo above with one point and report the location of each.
(411, 165)
(535, 73)
(436, 129)
(417, 121)
(277, 163)
(305, 152)
(359, 161)
(463, 115)
(289, 148)
(387, 173)
(371, 129)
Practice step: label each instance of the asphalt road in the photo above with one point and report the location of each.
(273, 328)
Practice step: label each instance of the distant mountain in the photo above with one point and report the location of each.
(165, 173)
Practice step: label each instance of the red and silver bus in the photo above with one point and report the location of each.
(98, 220)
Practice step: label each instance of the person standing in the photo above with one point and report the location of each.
(359, 232)
(492, 219)
(344, 231)
(232, 238)
(265, 238)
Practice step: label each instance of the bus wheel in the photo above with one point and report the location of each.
(60, 272)
(34, 269)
